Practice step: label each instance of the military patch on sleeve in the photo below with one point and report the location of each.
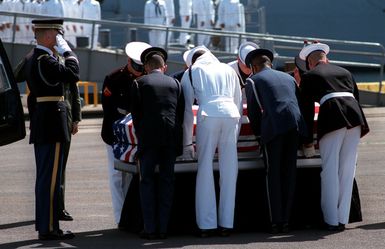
(107, 92)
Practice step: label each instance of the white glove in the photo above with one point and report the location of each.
(188, 153)
(61, 45)
(308, 151)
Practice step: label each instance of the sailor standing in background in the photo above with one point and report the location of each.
(170, 18)
(155, 12)
(69, 11)
(91, 10)
(45, 77)
(205, 16)
(116, 104)
(25, 23)
(19, 29)
(216, 87)
(185, 13)
(230, 18)
(55, 8)
(5, 21)
(340, 125)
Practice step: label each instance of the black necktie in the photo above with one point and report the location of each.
(158, 11)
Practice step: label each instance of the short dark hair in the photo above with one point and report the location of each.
(155, 61)
(196, 55)
(260, 60)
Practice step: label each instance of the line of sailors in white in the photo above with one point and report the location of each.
(82, 9)
(230, 13)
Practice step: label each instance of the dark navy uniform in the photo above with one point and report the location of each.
(157, 110)
(279, 125)
(49, 128)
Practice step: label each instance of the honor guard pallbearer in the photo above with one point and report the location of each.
(116, 104)
(341, 123)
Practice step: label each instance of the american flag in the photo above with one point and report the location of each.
(126, 146)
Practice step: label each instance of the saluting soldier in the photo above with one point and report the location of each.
(49, 130)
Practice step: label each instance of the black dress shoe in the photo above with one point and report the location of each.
(341, 227)
(331, 228)
(274, 229)
(57, 235)
(162, 235)
(285, 228)
(64, 215)
(123, 227)
(205, 233)
(148, 236)
(224, 232)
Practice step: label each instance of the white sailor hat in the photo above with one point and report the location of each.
(188, 55)
(316, 46)
(135, 49)
(244, 49)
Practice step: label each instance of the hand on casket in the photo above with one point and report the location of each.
(308, 150)
(188, 153)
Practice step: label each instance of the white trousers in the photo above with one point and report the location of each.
(157, 38)
(232, 43)
(215, 133)
(183, 37)
(338, 151)
(119, 183)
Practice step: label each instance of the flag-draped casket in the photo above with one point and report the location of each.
(126, 146)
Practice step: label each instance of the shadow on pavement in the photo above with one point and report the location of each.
(118, 239)
(374, 226)
(17, 224)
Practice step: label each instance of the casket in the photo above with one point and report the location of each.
(248, 148)
(251, 208)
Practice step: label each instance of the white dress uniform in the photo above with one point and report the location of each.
(17, 6)
(205, 13)
(26, 34)
(155, 12)
(185, 13)
(5, 22)
(91, 10)
(230, 16)
(170, 18)
(54, 8)
(215, 85)
(71, 30)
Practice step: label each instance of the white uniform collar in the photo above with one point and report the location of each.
(45, 49)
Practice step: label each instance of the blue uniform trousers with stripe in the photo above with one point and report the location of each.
(49, 161)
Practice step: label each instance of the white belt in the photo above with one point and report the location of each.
(335, 95)
(50, 98)
(214, 99)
